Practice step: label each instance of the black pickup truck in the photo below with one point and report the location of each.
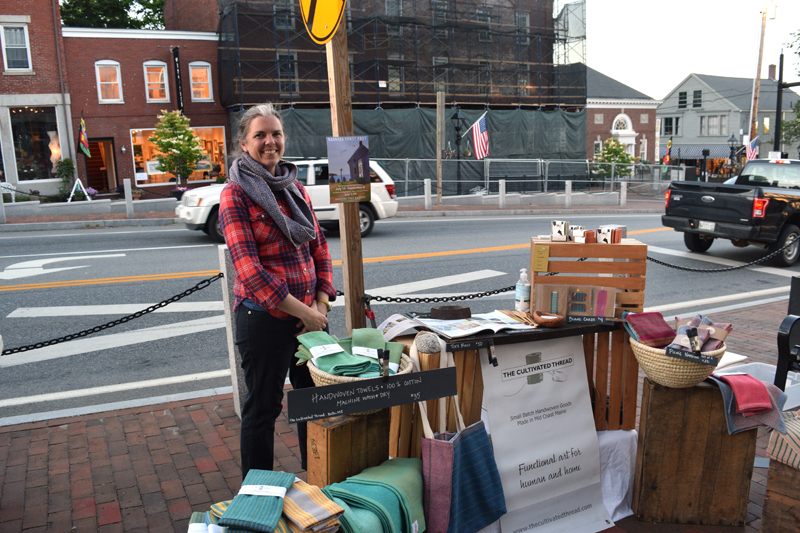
(760, 207)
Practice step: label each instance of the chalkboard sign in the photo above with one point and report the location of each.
(370, 394)
(475, 344)
(597, 320)
(697, 357)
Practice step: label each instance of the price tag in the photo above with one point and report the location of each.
(366, 352)
(541, 256)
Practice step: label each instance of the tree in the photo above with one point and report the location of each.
(131, 14)
(180, 148)
(790, 129)
(614, 152)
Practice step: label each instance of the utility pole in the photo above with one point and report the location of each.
(757, 80)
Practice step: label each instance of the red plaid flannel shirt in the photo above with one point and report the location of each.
(268, 267)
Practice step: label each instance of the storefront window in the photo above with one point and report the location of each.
(36, 144)
(145, 157)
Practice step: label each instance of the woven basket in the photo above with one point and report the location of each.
(670, 371)
(323, 378)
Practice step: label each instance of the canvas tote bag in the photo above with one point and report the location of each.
(462, 492)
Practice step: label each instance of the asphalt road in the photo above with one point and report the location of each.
(58, 283)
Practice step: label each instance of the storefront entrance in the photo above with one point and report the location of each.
(101, 171)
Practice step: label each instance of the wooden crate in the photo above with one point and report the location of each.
(781, 513)
(688, 469)
(343, 446)
(612, 370)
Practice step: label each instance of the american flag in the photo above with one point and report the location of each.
(752, 149)
(480, 137)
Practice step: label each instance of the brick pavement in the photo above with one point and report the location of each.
(148, 468)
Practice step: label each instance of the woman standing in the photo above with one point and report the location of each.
(284, 277)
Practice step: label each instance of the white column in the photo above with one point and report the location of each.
(568, 194)
(623, 193)
(128, 199)
(427, 194)
(502, 199)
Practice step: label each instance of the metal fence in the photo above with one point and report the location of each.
(529, 176)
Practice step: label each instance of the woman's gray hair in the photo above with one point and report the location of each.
(261, 110)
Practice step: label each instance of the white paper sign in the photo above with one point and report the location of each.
(325, 349)
(366, 352)
(544, 439)
(263, 490)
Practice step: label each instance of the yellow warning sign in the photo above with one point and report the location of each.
(321, 18)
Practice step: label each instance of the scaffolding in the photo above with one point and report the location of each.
(503, 53)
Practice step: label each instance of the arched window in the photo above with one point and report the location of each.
(622, 123)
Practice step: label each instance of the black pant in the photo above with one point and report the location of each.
(267, 346)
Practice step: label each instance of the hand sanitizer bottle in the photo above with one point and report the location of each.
(522, 299)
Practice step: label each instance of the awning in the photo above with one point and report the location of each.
(691, 151)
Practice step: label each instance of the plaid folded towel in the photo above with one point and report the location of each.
(404, 478)
(651, 328)
(257, 513)
(309, 509)
(786, 448)
(737, 423)
(197, 523)
(750, 394)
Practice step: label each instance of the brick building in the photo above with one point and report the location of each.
(615, 110)
(34, 94)
(122, 79)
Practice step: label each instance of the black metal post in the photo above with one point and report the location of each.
(776, 145)
(458, 158)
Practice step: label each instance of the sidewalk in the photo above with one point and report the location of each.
(148, 468)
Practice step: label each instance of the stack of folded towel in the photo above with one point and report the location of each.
(750, 402)
(652, 330)
(703, 334)
(355, 356)
(785, 448)
(271, 501)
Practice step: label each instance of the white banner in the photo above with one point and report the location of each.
(544, 439)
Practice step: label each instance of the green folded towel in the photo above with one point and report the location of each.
(383, 495)
(257, 513)
(354, 519)
(357, 501)
(340, 363)
(404, 478)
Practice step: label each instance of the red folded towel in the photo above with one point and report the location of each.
(751, 394)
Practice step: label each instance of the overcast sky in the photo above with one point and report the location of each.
(652, 46)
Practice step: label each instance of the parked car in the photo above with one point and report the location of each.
(760, 207)
(199, 208)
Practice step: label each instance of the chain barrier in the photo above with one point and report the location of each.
(202, 285)
(436, 299)
(727, 269)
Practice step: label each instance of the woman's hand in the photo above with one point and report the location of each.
(314, 319)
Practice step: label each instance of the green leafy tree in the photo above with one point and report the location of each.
(790, 129)
(180, 148)
(614, 152)
(131, 14)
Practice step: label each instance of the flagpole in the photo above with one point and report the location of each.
(473, 124)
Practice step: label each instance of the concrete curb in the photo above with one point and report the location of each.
(86, 224)
(524, 212)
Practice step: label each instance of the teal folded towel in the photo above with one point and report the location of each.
(358, 501)
(403, 477)
(257, 513)
(355, 519)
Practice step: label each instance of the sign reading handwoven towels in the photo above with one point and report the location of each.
(544, 438)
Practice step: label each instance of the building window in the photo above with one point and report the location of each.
(621, 124)
(200, 74)
(598, 118)
(287, 73)
(439, 17)
(644, 118)
(440, 74)
(395, 74)
(109, 86)
(682, 100)
(284, 16)
(598, 147)
(523, 19)
(697, 101)
(36, 143)
(155, 81)
(394, 8)
(145, 156)
(713, 125)
(766, 125)
(703, 122)
(484, 18)
(670, 126)
(723, 125)
(523, 80)
(16, 48)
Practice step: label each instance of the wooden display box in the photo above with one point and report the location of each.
(343, 446)
(688, 469)
(781, 512)
(612, 369)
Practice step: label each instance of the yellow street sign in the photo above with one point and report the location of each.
(321, 18)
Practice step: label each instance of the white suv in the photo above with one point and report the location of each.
(199, 208)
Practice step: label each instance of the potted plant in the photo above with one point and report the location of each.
(90, 191)
(221, 178)
(177, 192)
(448, 153)
(136, 193)
(33, 195)
(467, 152)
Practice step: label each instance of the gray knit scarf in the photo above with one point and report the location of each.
(261, 187)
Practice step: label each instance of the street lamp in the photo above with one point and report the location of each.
(459, 121)
(732, 142)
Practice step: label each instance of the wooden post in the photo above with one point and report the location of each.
(349, 226)
(439, 144)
